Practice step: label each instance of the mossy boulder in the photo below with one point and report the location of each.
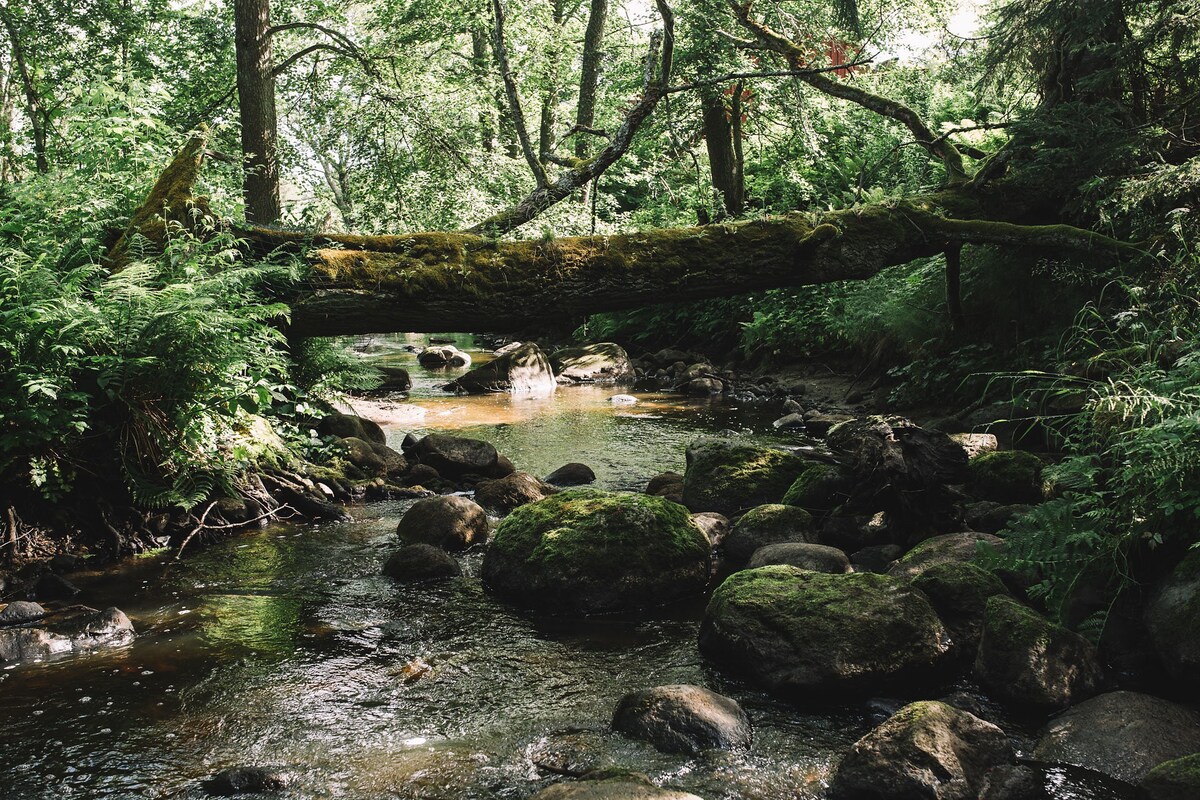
(727, 476)
(1026, 660)
(950, 548)
(1173, 620)
(820, 487)
(924, 750)
(1123, 735)
(1178, 779)
(1006, 476)
(768, 524)
(588, 551)
(801, 633)
(959, 593)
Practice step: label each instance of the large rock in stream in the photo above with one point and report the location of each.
(728, 476)
(924, 750)
(449, 522)
(456, 457)
(523, 370)
(588, 551)
(683, 719)
(1123, 735)
(76, 630)
(604, 362)
(817, 635)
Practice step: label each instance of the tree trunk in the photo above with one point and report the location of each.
(480, 65)
(589, 75)
(722, 160)
(39, 118)
(256, 105)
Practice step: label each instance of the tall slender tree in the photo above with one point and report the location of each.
(256, 107)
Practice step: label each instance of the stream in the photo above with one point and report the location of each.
(286, 647)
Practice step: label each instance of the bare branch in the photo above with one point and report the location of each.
(514, 99)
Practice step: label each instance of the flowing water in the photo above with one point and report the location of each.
(286, 647)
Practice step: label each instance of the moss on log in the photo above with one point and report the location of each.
(440, 281)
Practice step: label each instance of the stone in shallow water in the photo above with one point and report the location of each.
(683, 719)
(450, 522)
(20, 611)
(820, 636)
(245, 780)
(573, 474)
(421, 562)
(82, 630)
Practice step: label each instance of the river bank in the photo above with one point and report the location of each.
(287, 647)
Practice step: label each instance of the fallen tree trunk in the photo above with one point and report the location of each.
(435, 282)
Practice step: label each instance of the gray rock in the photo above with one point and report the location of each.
(945, 549)
(414, 563)
(573, 474)
(450, 522)
(457, 456)
(525, 370)
(502, 495)
(765, 525)
(925, 750)
(1026, 660)
(443, 356)
(683, 719)
(82, 630)
(1123, 735)
(1173, 620)
(348, 426)
(815, 557)
(604, 362)
(603, 787)
(19, 612)
(715, 526)
(810, 634)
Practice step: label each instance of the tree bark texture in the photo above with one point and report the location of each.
(256, 106)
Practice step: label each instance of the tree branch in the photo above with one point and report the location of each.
(796, 56)
(514, 99)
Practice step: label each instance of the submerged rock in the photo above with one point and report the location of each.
(604, 786)
(802, 633)
(1123, 735)
(727, 476)
(449, 522)
(768, 524)
(573, 474)
(604, 362)
(925, 750)
(1025, 659)
(588, 551)
(80, 630)
(245, 780)
(524, 370)
(414, 563)
(683, 719)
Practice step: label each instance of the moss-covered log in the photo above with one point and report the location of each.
(450, 281)
(460, 281)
